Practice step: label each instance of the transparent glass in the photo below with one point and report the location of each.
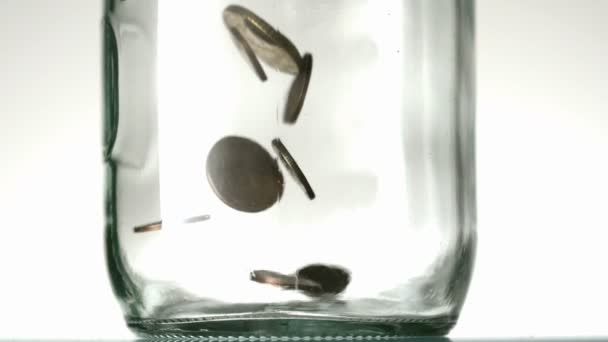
(300, 168)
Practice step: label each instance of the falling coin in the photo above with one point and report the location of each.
(244, 175)
(269, 44)
(149, 227)
(297, 93)
(292, 166)
(244, 47)
(273, 47)
(287, 282)
(197, 219)
(333, 279)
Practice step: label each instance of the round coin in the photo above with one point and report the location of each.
(297, 93)
(269, 44)
(245, 48)
(291, 165)
(333, 279)
(243, 174)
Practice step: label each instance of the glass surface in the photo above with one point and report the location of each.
(290, 167)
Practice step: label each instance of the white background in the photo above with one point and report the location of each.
(542, 124)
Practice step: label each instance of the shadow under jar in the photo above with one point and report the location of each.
(294, 168)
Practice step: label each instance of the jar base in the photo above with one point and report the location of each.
(257, 327)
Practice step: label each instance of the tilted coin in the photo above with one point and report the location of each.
(234, 14)
(293, 168)
(287, 282)
(243, 174)
(151, 227)
(271, 278)
(272, 46)
(333, 279)
(297, 93)
(269, 44)
(245, 48)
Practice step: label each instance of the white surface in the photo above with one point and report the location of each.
(542, 172)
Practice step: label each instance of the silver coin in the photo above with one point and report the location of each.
(293, 168)
(243, 174)
(151, 227)
(270, 45)
(250, 55)
(297, 93)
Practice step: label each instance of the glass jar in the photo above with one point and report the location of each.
(290, 167)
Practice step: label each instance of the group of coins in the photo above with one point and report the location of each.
(241, 172)
(246, 177)
(315, 280)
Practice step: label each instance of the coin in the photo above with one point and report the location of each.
(271, 278)
(291, 165)
(287, 282)
(148, 227)
(243, 174)
(244, 47)
(270, 45)
(234, 14)
(197, 219)
(332, 279)
(297, 93)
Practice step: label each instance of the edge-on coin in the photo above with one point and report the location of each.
(297, 93)
(271, 278)
(148, 227)
(287, 282)
(196, 219)
(246, 48)
(291, 165)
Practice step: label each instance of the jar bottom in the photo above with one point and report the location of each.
(264, 327)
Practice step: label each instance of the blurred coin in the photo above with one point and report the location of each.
(148, 227)
(291, 165)
(243, 174)
(269, 44)
(288, 282)
(271, 278)
(332, 279)
(197, 219)
(246, 49)
(297, 93)
(234, 16)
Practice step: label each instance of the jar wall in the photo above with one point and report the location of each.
(384, 138)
